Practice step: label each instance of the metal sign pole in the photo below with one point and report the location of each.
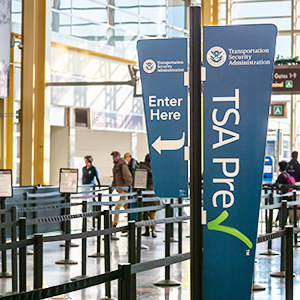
(196, 155)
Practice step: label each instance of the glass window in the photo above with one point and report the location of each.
(281, 23)
(176, 16)
(61, 23)
(90, 10)
(261, 9)
(283, 46)
(16, 11)
(126, 21)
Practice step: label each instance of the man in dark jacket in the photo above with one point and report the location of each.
(122, 177)
(294, 167)
(89, 172)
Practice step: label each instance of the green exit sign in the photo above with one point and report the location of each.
(278, 109)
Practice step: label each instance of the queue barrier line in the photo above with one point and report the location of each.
(137, 210)
(66, 287)
(19, 244)
(47, 207)
(42, 195)
(106, 195)
(271, 236)
(162, 221)
(164, 262)
(89, 234)
(111, 203)
(34, 201)
(62, 218)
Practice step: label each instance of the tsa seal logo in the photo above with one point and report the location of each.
(149, 66)
(216, 56)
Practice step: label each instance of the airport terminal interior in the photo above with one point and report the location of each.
(74, 90)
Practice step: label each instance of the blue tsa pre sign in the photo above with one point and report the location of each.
(163, 67)
(239, 64)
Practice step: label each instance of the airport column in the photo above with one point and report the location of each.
(210, 12)
(9, 121)
(35, 100)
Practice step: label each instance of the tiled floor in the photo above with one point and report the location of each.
(56, 274)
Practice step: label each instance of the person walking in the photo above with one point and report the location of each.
(90, 172)
(121, 177)
(293, 167)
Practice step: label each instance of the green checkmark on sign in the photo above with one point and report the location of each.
(215, 225)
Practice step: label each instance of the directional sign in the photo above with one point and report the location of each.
(163, 67)
(286, 80)
(239, 66)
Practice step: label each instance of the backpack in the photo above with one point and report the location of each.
(290, 180)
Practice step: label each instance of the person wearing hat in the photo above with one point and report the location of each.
(121, 177)
(89, 172)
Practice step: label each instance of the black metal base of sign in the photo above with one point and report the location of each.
(167, 282)
(280, 274)
(144, 247)
(257, 287)
(270, 252)
(66, 262)
(71, 245)
(79, 277)
(5, 275)
(97, 255)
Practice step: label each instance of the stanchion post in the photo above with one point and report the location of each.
(67, 228)
(289, 264)
(38, 261)
(107, 252)
(125, 283)
(270, 220)
(196, 155)
(4, 273)
(132, 254)
(283, 240)
(22, 255)
(139, 229)
(269, 224)
(14, 252)
(83, 246)
(283, 217)
(168, 235)
(168, 232)
(171, 216)
(180, 227)
(295, 216)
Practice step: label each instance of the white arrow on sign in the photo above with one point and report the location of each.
(160, 145)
